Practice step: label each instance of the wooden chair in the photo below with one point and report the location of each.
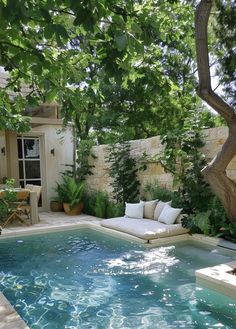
(33, 188)
(29, 187)
(17, 208)
(38, 190)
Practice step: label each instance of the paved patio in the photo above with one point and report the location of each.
(51, 221)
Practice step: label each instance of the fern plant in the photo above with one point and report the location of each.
(70, 191)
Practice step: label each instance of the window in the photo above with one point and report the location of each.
(29, 160)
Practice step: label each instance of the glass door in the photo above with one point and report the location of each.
(29, 160)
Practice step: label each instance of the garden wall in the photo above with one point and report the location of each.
(100, 181)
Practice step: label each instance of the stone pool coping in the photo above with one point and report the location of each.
(53, 222)
(218, 278)
(9, 318)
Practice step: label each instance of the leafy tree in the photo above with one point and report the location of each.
(125, 63)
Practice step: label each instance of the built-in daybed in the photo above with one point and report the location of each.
(148, 220)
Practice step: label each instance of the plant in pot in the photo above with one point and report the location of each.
(56, 203)
(71, 194)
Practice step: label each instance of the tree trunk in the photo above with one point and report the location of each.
(215, 171)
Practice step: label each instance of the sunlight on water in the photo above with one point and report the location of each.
(141, 262)
(85, 280)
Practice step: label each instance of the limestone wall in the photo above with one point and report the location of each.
(100, 181)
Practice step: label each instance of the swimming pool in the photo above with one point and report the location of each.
(84, 279)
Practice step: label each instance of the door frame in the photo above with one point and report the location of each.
(41, 137)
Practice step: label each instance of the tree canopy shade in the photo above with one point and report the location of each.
(215, 172)
(118, 63)
(108, 63)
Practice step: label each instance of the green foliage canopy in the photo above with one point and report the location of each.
(108, 63)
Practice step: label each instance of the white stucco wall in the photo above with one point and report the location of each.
(53, 165)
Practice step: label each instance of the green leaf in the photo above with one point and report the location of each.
(121, 41)
(59, 41)
(45, 13)
(49, 31)
(61, 31)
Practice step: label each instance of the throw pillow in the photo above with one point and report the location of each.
(134, 210)
(149, 208)
(159, 207)
(169, 215)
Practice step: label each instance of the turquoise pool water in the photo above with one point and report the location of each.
(84, 279)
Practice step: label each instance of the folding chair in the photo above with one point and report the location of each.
(32, 188)
(17, 208)
(38, 190)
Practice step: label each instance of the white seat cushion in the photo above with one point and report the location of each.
(159, 207)
(143, 228)
(134, 210)
(149, 208)
(169, 214)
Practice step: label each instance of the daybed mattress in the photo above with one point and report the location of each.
(143, 228)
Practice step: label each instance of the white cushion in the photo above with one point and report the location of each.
(134, 210)
(149, 208)
(143, 228)
(169, 215)
(159, 207)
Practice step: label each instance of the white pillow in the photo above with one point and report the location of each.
(134, 210)
(169, 215)
(149, 208)
(159, 207)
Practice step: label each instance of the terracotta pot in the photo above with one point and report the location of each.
(76, 210)
(56, 206)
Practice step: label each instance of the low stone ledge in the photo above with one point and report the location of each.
(218, 278)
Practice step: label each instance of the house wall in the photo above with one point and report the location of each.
(53, 165)
(100, 181)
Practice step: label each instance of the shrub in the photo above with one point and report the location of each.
(101, 204)
(89, 200)
(123, 170)
(115, 209)
(155, 191)
(7, 199)
(98, 204)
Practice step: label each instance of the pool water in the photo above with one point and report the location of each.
(84, 279)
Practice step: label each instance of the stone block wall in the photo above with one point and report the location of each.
(100, 181)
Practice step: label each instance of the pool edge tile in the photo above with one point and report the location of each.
(9, 318)
(218, 278)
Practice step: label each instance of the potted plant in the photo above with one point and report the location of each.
(71, 194)
(56, 203)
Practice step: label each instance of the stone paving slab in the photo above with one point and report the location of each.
(9, 318)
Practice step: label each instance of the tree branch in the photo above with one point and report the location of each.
(205, 91)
